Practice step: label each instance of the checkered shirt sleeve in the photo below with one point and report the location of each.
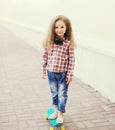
(71, 63)
(44, 61)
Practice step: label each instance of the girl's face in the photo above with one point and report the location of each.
(60, 28)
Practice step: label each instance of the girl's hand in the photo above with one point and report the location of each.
(68, 80)
(44, 75)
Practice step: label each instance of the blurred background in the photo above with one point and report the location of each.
(93, 23)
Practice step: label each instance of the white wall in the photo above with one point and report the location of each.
(97, 70)
(93, 25)
(91, 18)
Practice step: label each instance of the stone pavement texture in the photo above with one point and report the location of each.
(25, 96)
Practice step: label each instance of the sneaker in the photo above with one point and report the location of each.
(53, 115)
(59, 120)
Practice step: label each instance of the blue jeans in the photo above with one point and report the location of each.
(59, 89)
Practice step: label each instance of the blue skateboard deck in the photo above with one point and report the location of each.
(52, 121)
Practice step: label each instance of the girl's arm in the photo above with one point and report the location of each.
(71, 63)
(44, 61)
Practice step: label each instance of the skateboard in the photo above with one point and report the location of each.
(53, 121)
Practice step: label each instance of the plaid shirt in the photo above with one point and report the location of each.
(60, 59)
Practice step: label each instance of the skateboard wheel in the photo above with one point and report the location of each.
(62, 128)
(51, 128)
(46, 117)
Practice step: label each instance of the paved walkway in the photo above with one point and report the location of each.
(25, 96)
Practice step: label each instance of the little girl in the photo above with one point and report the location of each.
(58, 62)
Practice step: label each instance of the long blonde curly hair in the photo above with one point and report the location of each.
(51, 32)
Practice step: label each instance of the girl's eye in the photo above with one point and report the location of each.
(59, 27)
